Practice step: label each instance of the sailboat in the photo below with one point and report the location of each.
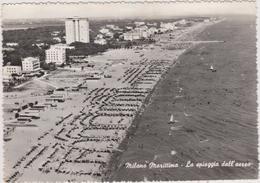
(212, 68)
(172, 120)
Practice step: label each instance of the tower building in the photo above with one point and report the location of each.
(77, 30)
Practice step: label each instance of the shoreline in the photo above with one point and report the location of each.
(167, 63)
(114, 161)
(201, 132)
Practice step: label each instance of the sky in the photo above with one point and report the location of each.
(125, 10)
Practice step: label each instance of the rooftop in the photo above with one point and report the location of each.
(77, 18)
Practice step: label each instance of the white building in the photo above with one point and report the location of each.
(152, 30)
(183, 22)
(104, 31)
(112, 26)
(163, 30)
(12, 44)
(142, 31)
(137, 33)
(39, 45)
(57, 39)
(100, 41)
(77, 30)
(99, 36)
(129, 27)
(168, 26)
(55, 55)
(152, 24)
(31, 64)
(132, 35)
(139, 23)
(145, 34)
(8, 70)
(143, 28)
(109, 34)
(8, 49)
(55, 33)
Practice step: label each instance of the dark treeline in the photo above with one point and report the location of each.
(27, 40)
(86, 48)
(32, 35)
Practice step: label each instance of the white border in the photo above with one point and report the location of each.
(13, 2)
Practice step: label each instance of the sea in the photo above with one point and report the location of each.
(30, 23)
(214, 136)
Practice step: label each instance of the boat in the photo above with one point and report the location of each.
(172, 120)
(118, 150)
(6, 139)
(212, 68)
(203, 139)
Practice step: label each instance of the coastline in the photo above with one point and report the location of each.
(123, 174)
(114, 164)
(171, 58)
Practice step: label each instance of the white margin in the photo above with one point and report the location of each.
(137, 1)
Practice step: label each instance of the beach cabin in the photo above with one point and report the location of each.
(24, 119)
(92, 77)
(55, 98)
(30, 115)
(60, 91)
(30, 111)
(37, 107)
(16, 109)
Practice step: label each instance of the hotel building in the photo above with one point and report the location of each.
(57, 54)
(31, 64)
(10, 69)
